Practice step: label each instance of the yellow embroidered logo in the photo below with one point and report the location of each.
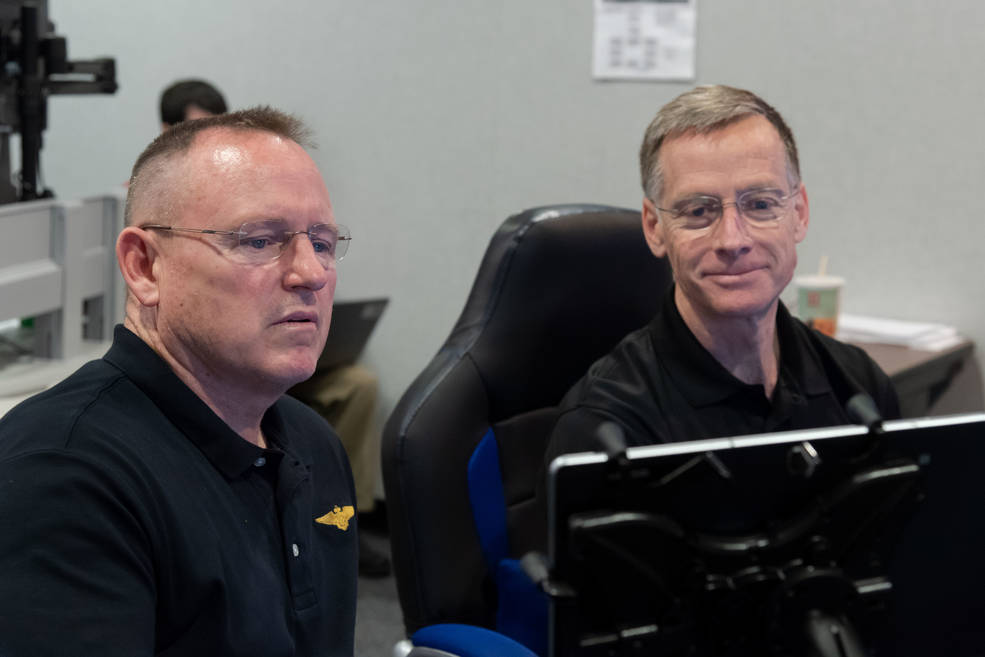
(338, 517)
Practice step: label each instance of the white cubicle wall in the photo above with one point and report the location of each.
(58, 267)
(32, 273)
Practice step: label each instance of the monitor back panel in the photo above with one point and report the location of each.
(902, 510)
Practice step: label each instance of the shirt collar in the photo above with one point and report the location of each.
(224, 448)
(704, 381)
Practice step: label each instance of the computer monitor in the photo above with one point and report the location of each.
(836, 541)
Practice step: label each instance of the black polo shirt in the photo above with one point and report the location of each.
(134, 521)
(661, 385)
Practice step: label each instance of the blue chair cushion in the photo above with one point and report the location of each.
(468, 641)
(522, 610)
(488, 500)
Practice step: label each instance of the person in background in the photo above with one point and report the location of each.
(190, 99)
(345, 395)
(169, 498)
(725, 204)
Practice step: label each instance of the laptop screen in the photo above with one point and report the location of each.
(352, 324)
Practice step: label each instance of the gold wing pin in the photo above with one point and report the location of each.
(338, 517)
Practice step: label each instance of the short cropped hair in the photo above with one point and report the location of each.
(700, 111)
(177, 97)
(152, 164)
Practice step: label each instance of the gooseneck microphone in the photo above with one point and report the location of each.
(862, 409)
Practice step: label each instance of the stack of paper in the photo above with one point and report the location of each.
(916, 335)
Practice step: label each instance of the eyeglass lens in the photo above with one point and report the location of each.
(266, 240)
(760, 207)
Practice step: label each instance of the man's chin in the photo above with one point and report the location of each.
(293, 371)
(750, 310)
(741, 304)
(299, 375)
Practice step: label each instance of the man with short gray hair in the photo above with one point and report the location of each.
(169, 498)
(725, 204)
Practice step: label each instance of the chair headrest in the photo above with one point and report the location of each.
(558, 287)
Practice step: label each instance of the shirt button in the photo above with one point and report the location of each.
(295, 549)
(260, 462)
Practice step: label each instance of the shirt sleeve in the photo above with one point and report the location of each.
(76, 575)
(574, 431)
(864, 373)
(885, 395)
(877, 384)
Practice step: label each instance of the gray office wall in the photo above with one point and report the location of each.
(438, 118)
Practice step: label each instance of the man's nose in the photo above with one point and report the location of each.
(731, 232)
(305, 268)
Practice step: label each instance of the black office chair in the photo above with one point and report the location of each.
(557, 288)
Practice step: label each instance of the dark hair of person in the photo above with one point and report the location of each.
(178, 96)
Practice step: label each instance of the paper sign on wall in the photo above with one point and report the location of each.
(644, 39)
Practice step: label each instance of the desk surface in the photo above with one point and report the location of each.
(922, 377)
(899, 361)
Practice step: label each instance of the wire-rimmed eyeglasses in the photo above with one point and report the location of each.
(258, 242)
(761, 207)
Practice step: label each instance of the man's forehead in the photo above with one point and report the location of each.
(753, 132)
(750, 144)
(224, 147)
(223, 157)
(272, 175)
(217, 160)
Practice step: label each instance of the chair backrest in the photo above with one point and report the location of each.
(557, 288)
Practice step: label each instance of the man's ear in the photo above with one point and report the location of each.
(803, 214)
(653, 230)
(136, 253)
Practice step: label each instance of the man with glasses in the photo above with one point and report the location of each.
(725, 204)
(169, 498)
(345, 395)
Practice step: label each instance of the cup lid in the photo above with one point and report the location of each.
(819, 280)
